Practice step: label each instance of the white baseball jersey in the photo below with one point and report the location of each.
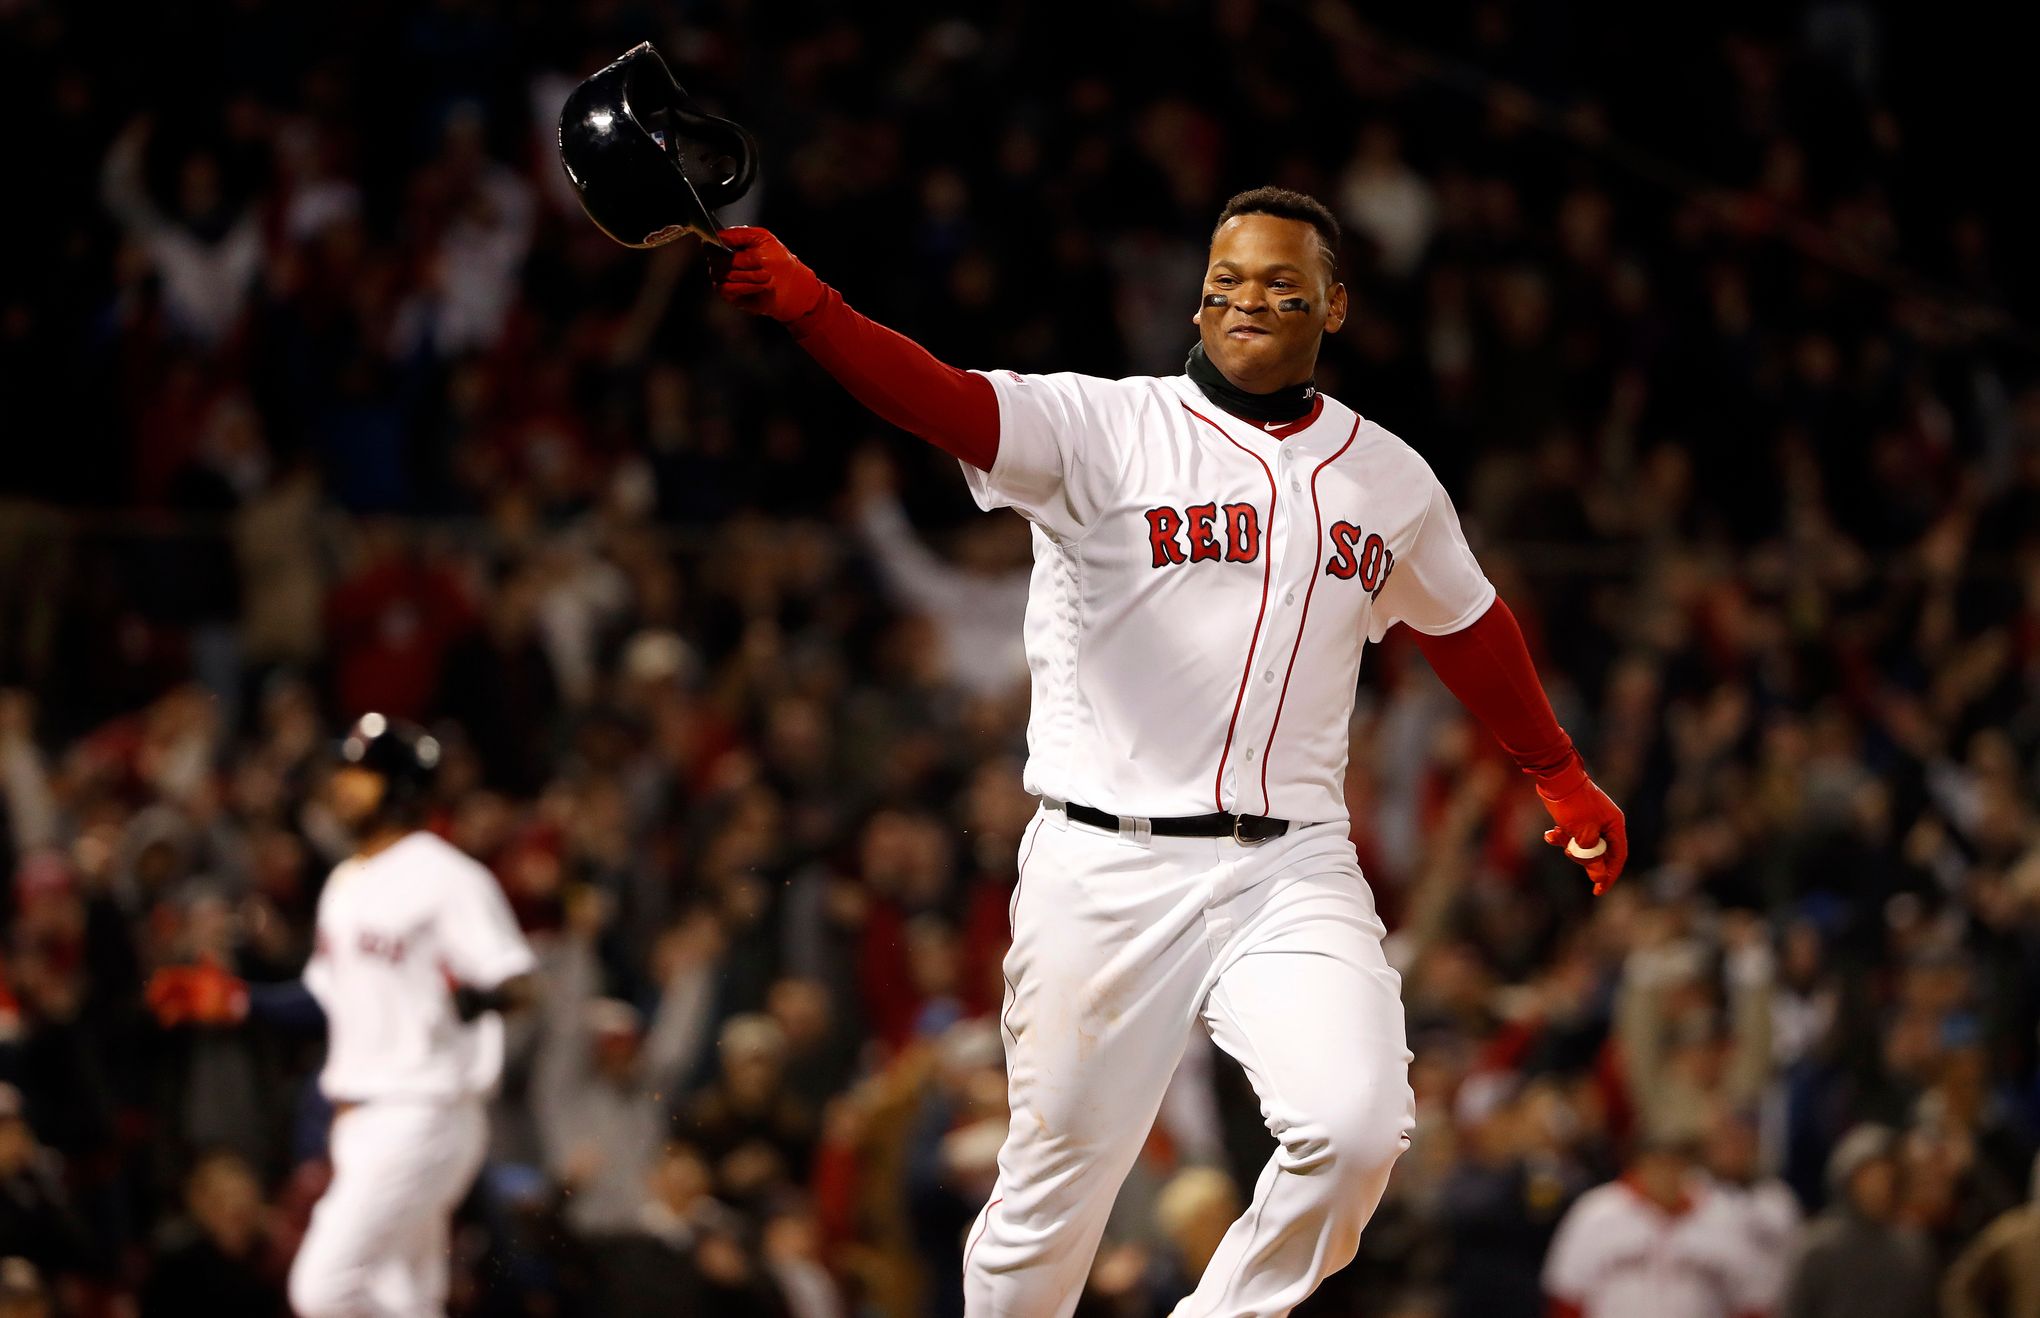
(1203, 587)
(1771, 1218)
(393, 931)
(1618, 1254)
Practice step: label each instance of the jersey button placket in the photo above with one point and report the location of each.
(1274, 639)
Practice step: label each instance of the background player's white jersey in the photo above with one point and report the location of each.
(1771, 1218)
(1203, 587)
(392, 930)
(1618, 1254)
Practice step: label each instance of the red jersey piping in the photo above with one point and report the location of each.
(1318, 516)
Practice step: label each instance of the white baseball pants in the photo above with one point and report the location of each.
(378, 1242)
(1121, 943)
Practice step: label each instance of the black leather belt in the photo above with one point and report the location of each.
(1247, 829)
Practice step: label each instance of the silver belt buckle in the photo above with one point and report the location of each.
(1237, 820)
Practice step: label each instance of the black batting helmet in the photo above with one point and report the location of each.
(648, 164)
(403, 754)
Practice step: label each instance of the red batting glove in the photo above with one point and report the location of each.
(765, 279)
(168, 995)
(204, 994)
(1583, 813)
(218, 996)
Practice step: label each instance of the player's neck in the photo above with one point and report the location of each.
(1669, 1193)
(380, 839)
(1290, 403)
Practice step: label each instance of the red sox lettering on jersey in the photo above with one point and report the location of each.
(1204, 586)
(386, 947)
(1369, 560)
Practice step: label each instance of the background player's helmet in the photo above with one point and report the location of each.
(648, 164)
(403, 754)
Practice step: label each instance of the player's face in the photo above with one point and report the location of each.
(1258, 263)
(357, 793)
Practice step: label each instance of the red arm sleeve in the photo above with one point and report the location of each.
(1487, 666)
(902, 382)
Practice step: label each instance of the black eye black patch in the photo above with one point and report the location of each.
(1217, 300)
(1292, 304)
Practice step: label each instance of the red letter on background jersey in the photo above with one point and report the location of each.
(1162, 527)
(1242, 533)
(1202, 544)
(1341, 563)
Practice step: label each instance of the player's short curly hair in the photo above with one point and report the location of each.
(1289, 204)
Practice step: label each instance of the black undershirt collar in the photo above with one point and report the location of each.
(1291, 404)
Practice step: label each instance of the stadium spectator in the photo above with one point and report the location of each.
(1999, 1273)
(681, 1253)
(604, 1081)
(207, 253)
(1503, 1199)
(38, 1225)
(217, 1261)
(756, 1134)
(1856, 1258)
(1681, 1059)
(1194, 1211)
(978, 604)
(22, 1293)
(1770, 1213)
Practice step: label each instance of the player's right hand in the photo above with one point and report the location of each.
(765, 279)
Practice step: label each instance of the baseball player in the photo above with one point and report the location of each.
(416, 953)
(1212, 551)
(1660, 1242)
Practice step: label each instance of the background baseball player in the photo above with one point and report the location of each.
(1661, 1242)
(1212, 552)
(416, 953)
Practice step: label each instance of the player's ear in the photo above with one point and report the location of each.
(1197, 316)
(1335, 309)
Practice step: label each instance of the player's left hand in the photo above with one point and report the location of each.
(470, 1004)
(1583, 817)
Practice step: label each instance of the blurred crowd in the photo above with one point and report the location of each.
(324, 397)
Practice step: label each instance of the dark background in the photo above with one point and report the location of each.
(318, 395)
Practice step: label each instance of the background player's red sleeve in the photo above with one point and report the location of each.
(902, 382)
(1487, 666)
